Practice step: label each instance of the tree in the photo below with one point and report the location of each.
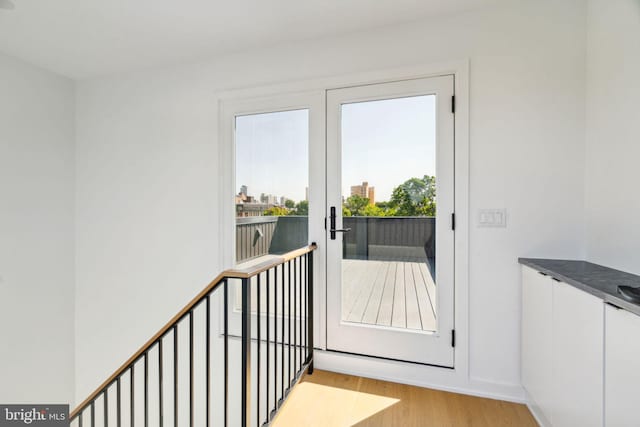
(356, 204)
(301, 209)
(415, 197)
(289, 204)
(372, 210)
(276, 211)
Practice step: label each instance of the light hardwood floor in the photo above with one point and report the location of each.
(327, 399)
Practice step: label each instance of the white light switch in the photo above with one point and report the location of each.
(492, 218)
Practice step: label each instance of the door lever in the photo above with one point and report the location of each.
(333, 230)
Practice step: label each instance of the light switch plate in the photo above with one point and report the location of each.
(492, 218)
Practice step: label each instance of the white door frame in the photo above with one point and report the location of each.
(457, 379)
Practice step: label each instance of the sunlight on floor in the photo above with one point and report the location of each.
(348, 407)
(329, 399)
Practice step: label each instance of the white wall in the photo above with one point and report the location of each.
(613, 134)
(36, 234)
(147, 171)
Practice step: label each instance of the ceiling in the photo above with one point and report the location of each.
(85, 38)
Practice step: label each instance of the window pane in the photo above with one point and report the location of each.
(272, 176)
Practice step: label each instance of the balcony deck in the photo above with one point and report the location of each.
(389, 293)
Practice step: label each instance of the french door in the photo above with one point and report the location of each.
(390, 205)
(367, 172)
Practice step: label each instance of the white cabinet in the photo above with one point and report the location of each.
(537, 339)
(578, 366)
(622, 380)
(562, 352)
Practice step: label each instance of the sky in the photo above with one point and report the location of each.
(383, 142)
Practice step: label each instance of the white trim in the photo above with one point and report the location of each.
(414, 374)
(458, 378)
(535, 410)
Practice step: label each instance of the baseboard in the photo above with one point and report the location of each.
(437, 378)
(536, 411)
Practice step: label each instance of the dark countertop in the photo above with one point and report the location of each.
(595, 279)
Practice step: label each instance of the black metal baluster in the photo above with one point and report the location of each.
(283, 332)
(258, 345)
(80, 419)
(208, 361)
(175, 375)
(310, 309)
(304, 307)
(246, 353)
(268, 344)
(295, 318)
(132, 391)
(191, 403)
(118, 404)
(146, 390)
(226, 352)
(299, 304)
(160, 383)
(300, 317)
(289, 324)
(275, 337)
(105, 395)
(93, 414)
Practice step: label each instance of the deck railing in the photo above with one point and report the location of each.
(172, 380)
(379, 238)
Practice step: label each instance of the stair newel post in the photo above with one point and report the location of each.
(246, 352)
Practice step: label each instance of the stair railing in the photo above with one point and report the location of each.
(158, 387)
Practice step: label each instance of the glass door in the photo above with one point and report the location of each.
(390, 240)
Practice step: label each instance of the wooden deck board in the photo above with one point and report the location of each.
(367, 286)
(373, 305)
(399, 315)
(411, 297)
(389, 293)
(427, 315)
(386, 303)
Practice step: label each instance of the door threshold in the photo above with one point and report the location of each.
(390, 359)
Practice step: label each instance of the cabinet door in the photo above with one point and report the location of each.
(537, 340)
(622, 377)
(578, 365)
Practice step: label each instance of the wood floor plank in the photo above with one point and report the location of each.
(399, 315)
(327, 399)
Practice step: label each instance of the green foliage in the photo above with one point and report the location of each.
(301, 209)
(415, 197)
(276, 211)
(356, 205)
(346, 211)
(289, 204)
(373, 210)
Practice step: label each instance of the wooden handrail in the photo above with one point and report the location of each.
(244, 273)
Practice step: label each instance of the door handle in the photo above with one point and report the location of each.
(333, 230)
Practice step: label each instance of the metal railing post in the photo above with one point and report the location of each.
(310, 310)
(246, 353)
